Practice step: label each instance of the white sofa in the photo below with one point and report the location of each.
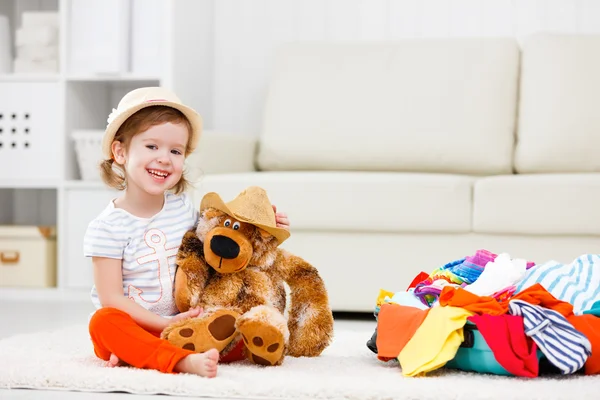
(395, 158)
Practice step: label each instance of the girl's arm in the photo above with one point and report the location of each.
(109, 285)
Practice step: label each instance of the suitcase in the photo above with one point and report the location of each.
(475, 355)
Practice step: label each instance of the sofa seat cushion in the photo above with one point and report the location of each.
(358, 201)
(553, 204)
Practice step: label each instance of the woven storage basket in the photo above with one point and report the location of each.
(88, 147)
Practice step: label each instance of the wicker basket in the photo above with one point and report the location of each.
(88, 147)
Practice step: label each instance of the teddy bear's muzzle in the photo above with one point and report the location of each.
(224, 247)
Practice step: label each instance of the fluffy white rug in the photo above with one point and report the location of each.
(63, 360)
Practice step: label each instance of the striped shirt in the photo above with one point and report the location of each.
(577, 283)
(564, 346)
(147, 248)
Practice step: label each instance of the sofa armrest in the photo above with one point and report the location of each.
(221, 153)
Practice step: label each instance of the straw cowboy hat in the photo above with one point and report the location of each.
(147, 97)
(251, 206)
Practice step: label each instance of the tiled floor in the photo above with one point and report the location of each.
(23, 311)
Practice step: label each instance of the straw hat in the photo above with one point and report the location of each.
(146, 97)
(251, 206)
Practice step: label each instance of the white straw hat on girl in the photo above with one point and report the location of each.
(147, 97)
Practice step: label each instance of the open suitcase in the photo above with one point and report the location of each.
(475, 355)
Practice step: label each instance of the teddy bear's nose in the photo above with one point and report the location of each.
(224, 246)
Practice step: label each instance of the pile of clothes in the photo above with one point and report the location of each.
(493, 314)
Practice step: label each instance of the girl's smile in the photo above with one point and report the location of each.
(158, 174)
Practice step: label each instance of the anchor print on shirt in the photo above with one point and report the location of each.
(156, 240)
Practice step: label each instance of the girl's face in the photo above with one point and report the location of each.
(155, 158)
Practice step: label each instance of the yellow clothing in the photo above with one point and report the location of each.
(382, 295)
(435, 342)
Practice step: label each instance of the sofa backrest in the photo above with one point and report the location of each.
(428, 105)
(559, 117)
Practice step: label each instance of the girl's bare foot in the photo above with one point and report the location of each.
(203, 364)
(113, 361)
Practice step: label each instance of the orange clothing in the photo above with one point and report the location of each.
(459, 297)
(396, 325)
(589, 325)
(538, 295)
(114, 331)
(535, 294)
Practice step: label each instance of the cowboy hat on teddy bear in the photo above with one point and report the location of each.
(231, 265)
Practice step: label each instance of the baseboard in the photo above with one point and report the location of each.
(43, 294)
(354, 316)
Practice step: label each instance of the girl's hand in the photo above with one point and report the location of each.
(281, 219)
(191, 313)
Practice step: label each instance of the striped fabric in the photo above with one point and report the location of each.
(577, 283)
(147, 248)
(564, 346)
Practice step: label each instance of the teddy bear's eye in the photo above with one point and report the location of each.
(227, 223)
(236, 226)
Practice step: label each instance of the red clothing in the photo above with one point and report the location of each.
(505, 335)
(418, 279)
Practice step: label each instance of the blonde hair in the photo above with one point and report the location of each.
(137, 123)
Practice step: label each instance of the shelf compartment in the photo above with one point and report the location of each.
(89, 103)
(28, 206)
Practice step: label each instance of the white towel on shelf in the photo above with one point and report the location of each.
(34, 19)
(41, 35)
(27, 66)
(33, 52)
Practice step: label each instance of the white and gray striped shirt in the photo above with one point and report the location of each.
(147, 248)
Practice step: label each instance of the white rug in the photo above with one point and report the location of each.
(347, 369)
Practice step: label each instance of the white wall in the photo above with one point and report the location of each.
(246, 32)
(191, 59)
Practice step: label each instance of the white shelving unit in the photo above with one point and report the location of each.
(42, 185)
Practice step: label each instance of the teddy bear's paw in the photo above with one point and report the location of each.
(265, 343)
(215, 331)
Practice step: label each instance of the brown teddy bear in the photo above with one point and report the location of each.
(230, 265)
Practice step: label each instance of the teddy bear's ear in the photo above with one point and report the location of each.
(210, 213)
(264, 234)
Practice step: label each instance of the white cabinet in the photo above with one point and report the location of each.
(29, 124)
(105, 49)
(82, 206)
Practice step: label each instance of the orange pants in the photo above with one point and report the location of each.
(114, 331)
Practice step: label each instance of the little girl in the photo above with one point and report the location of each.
(134, 241)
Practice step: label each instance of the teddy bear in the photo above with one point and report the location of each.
(231, 265)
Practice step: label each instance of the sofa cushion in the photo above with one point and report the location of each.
(358, 201)
(559, 120)
(552, 204)
(435, 105)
